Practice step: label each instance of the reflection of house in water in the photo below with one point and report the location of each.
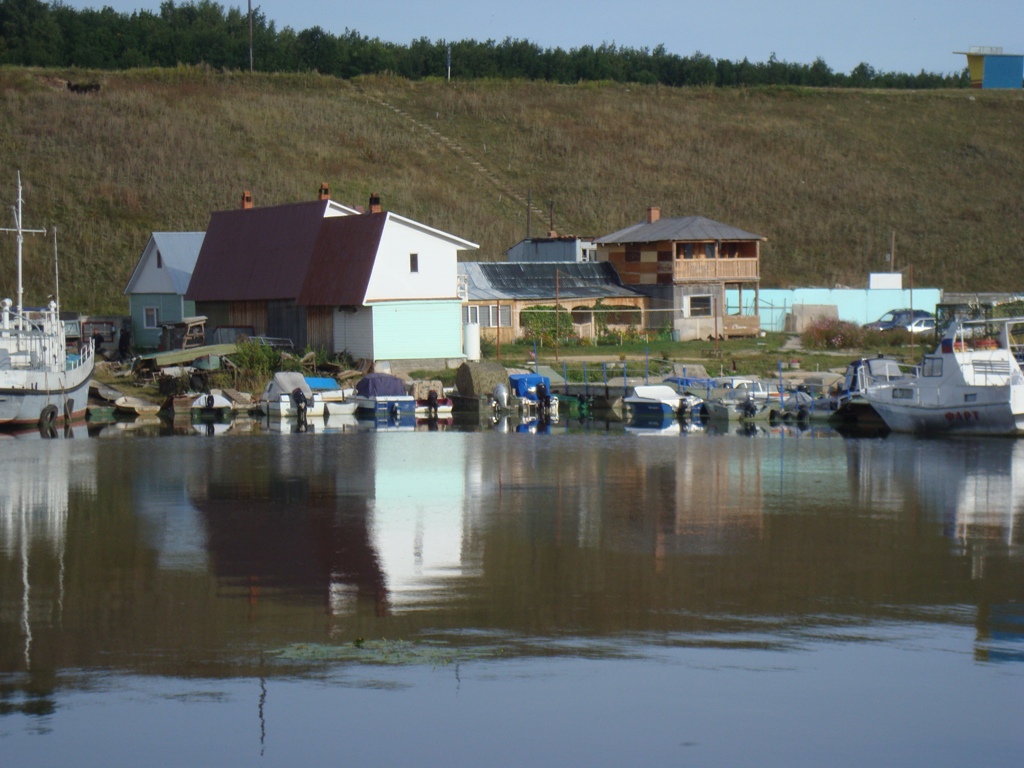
(364, 527)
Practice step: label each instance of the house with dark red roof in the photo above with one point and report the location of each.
(370, 283)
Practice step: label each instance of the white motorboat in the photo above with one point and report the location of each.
(654, 401)
(40, 381)
(211, 406)
(972, 384)
(288, 394)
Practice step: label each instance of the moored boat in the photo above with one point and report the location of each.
(211, 406)
(383, 395)
(850, 404)
(288, 394)
(40, 381)
(135, 406)
(655, 401)
(972, 384)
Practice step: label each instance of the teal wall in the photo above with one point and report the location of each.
(170, 309)
(413, 330)
(855, 305)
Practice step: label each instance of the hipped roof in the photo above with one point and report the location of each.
(287, 252)
(687, 228)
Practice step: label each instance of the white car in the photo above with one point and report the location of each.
(922, 325)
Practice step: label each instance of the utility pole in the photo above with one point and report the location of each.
(250, 37)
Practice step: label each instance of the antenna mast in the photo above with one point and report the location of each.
(21, 239)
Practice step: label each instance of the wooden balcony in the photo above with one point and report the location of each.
(732, 270)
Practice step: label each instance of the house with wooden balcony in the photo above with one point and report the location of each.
(685, 265)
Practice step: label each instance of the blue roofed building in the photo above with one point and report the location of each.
(156, 289)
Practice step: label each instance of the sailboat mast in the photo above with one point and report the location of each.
(20, 231)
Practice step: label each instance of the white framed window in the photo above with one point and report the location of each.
(488, 316)
(151, 317)
(698, 306)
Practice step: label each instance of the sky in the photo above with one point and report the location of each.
(890, 35)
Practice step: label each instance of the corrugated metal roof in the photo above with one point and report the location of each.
(342, 262)
(258, 253)
(687, 228)
(536, 280)
(179, 251)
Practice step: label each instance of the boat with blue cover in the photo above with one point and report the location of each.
(383, 395)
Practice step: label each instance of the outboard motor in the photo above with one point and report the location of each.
(209, 401)
(543, 398)
(432, 403)
(749, 408)
(500, 396)
(299, 398)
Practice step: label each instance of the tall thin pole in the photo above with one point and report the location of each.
(20, 231)
(912, 334)
(529, 204)
(56, 273)
(556, 314)
(250, 37)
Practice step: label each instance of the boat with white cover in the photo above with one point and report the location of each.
(972, 384)
(654, 400)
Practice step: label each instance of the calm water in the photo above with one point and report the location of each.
(466, 598)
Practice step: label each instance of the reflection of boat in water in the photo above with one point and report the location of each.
(654, 424)
(386, 422)
(322, 424)
(970, 385)
(40, 382)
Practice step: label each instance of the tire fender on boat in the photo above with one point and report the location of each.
(48, 416)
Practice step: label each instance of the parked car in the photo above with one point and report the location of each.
(922, 325)
(898, 318)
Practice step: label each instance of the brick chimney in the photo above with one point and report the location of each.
(653, 214)
(374, 203)
(325, 192)
(246, 200)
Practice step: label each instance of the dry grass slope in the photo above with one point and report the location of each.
(827, 176)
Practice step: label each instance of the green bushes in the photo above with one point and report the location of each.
(831, 333)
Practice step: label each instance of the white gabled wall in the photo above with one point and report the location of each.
(391, 277)
(149, 278)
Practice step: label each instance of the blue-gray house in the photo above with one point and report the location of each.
(156, 290)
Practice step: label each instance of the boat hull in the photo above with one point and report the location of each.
(969, 419)
(386, 405)
(25, 395)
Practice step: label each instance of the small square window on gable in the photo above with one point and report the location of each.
(414, 262)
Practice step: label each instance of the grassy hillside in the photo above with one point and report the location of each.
(826, 176)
